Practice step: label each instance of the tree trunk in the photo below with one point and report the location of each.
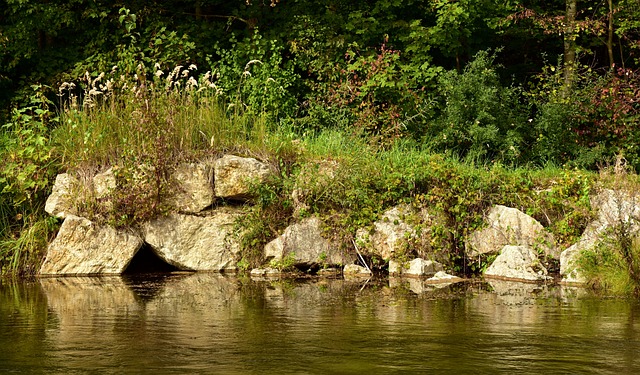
(570, 35)
(610, 35)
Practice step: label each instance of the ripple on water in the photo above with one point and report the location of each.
(209, 323)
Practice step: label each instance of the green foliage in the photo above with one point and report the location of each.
(27, 166)
(372, 93)
(284, 264)
(27, 163)
(254, 74)
(608, 269)
(479, 118)
(22, 251)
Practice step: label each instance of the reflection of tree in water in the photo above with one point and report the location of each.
(24, 317)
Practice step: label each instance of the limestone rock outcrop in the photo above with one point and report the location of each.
(416, 267)
(303, 242)
(518, 263)
(351, 270)
(62, 201)
(104, 184)
(569, 268)
(195, 243)
(390, 234)
(615, 208)
(194, 189)
(510, 226)
(233, 176)
(84, 248)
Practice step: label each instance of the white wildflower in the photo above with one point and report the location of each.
(192, 82)
(246, 67)
(185, 73)
(157, 66)
(63, 86)
(193, 67)
(159, 73)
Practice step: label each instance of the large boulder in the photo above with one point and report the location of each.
(569, 268)
(233, 176)
(615, 209)
(390, 235)
(62, 201)
(519, 263)
(193, 191)
(510, 226)
(198, 243)
(303, 242)
(84, 248)
(104, 184)
(416, 267)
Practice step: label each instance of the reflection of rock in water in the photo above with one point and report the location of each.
(81, 304)
(86, 295)
(511, 304)
(422, 285)
(146, 286)
(516, 293)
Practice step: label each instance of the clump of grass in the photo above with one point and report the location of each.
(21, 255)
(610, 269)
(132, 117)
(614, 265)
(144, 127)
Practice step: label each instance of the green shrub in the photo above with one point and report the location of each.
(27, 168)
(253, 73)
(477, 117)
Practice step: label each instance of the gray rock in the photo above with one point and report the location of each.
(390, 233)
(443, 277)
(569, 269)
(194, 190)
(104, 184)
(417, 267)
(519, 263)
(234, 175)
(355, 270)
(266, 272)
(193, 242)
(303, 242)
(510, 226)
(62, 201)
(615, 208)
(84, 248)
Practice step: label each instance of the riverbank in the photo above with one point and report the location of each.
(132, 154)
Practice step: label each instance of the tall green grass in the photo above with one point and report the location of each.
(148, 120)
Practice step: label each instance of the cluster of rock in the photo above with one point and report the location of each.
(197, 236)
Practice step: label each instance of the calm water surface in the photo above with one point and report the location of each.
(209, 323)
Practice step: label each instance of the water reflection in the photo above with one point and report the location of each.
(214, 323)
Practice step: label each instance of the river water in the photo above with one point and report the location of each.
(210, 323)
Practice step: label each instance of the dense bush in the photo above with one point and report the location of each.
(478, 118)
